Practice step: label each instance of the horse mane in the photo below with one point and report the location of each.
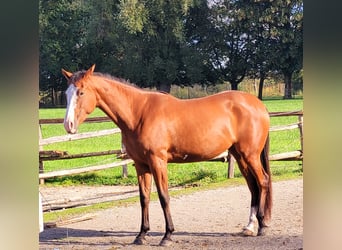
(117, 79)
(76, 76)
(125, 82)
(110, 77)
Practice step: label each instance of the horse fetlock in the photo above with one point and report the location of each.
(262, 231)
(260, 215)
(262, 226)
(141, 238)
(140, 241)
(165, 242)
(263, 221)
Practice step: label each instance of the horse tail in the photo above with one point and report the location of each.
(266, 165)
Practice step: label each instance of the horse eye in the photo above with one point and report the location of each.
(81, 93)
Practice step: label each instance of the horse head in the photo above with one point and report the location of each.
(81, 98)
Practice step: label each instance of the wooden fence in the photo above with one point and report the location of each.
(62, 155)
(51, 155)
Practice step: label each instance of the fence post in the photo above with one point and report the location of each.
(231, 162)
(124, 171)
(124, 167)
(41, 164)
(40, 214)
(300, 126)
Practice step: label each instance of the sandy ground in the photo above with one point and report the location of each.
(203, 220)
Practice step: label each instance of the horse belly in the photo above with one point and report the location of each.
(183, 157)
(200, 148)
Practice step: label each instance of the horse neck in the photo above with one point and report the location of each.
(121, 102)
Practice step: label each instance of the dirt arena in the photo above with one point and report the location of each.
(208, 219)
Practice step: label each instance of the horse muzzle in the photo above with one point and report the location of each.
(70, 127)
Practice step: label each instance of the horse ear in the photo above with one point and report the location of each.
(66, 74)
(90, 71)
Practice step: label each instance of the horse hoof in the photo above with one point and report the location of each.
(262, 231)
(248, 232)
(166, 242)
(139, 241)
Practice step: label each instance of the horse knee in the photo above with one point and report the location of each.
(164, 199)
(265, 182)
(144, 200)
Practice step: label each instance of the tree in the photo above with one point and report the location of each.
(286, 27)
(153, 51)
(158, 43)
(260, 52)
(223, 39)
(270, 36)
(199, 34)
(62, 33)
(104, 36)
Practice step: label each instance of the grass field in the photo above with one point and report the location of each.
(200, 173)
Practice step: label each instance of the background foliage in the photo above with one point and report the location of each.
(156, 43)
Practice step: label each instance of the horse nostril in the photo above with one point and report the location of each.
(72, 127)
(69, 126)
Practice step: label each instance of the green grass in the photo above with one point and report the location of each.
(192, 174)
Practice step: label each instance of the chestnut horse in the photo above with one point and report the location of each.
(158, 128)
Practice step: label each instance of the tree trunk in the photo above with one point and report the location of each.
(164, 87)
(255, 87)
(288, 85)
(261, 85)
(53, 97)
(234, 85)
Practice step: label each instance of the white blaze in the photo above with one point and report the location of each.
(69, 120)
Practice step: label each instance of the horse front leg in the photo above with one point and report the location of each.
(144, 179)
(159, 169)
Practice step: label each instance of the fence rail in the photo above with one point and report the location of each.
(73, 137)
(62, 155)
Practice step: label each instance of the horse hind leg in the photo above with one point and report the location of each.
(252, 226)
(263, 182)
(250, 229)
